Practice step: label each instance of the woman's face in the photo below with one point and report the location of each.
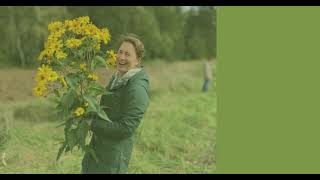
(126, 58)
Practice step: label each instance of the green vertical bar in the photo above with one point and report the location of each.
(268, 87)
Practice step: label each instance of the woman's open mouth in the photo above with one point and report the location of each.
(122, 63)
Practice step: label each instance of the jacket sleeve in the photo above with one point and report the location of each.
(136, 103)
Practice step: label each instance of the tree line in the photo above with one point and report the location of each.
(168, 32)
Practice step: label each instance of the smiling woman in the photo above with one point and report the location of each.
(129, 54)
(126, 106)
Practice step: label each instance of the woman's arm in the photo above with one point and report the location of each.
(136, 103)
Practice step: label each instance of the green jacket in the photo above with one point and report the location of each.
(113, 142)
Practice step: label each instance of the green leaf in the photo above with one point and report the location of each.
(80, 53)
(57, 93)
(68, 100)
(59, 106)
(98, 60)
(105, 107)
(67, 149)
(93, 64)
(94, 107)
(90, 109)
(61, 149)
(64, 115)
(72, 138)
(67, 128)
(106, 92)
(64, 123)
(73, 126)
(55, 100)
(72, 80)
(82, 133)
(96, 89)
(58, 63)
(103, 115)
(92, 153)
(93, 104)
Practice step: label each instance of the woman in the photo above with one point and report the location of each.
(207, 74)
(113, 142)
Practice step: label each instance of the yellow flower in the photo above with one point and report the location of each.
(83, 66)
(93, 77)
(53, 46)
(63, 81)
(105, 35)
(56, 29)
(40, 90)
(53, 76)
(83, 20)
(73, 25)
(97, 46)
(59, 33)
(91, 30)
(46, 53)
(44, 69)
(68, 24)
(42, 77)
(96, 37)
(111, 62)
(76, 27)
(43, 54)
(61, 55)
(111, 54)
(79, 111)
(43, 74)
(52, 38)
(72, 43)
(55, 26)
(112, 58)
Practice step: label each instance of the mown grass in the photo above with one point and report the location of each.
(177, 134)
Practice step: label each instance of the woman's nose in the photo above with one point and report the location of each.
(120, 56)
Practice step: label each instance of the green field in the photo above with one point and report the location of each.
(177, 134)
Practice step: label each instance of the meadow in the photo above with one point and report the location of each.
(177, 134)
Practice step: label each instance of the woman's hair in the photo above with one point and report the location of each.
(134, 40)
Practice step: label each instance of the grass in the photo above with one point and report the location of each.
(177, 134)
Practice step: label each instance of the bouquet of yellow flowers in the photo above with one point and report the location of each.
(67, 71)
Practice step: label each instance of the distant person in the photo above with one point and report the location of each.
(113, 141)
(207, 72)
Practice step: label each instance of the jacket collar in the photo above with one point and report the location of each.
(120, 81)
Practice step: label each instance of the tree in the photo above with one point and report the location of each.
(200, 32)
(169, 33)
